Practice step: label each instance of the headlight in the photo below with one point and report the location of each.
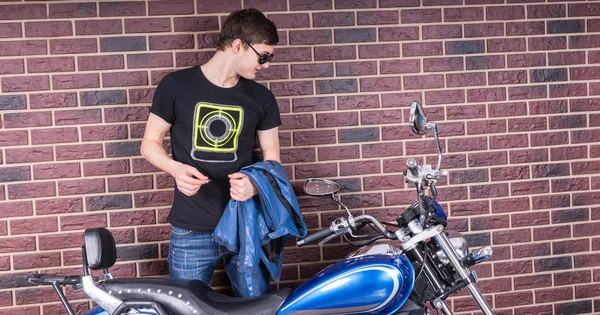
(460, 246)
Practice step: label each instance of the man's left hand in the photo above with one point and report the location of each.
(242, 187)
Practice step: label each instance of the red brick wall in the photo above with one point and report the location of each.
(514, 85)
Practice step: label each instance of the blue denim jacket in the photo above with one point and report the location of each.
(258, 228)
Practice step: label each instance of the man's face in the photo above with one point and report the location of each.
(249, 61)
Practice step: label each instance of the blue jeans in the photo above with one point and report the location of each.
(194, 255)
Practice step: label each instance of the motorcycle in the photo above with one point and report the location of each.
(378, 278)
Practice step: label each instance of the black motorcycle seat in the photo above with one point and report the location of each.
(193, 297)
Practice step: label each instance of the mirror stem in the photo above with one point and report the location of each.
(439, 146)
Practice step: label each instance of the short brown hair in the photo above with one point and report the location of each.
(250, 26)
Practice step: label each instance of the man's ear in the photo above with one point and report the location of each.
(236, 45)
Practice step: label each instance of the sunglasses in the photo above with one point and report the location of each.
(262, 59)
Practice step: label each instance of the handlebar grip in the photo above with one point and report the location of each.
(412, 166)
(316, 236)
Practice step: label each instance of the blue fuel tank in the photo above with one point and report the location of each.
(372, 284)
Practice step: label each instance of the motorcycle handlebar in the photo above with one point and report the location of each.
(412, 166)
(316, 236)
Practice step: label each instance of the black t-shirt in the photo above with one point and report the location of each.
(214, 130)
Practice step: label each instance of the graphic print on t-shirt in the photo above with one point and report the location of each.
(216, 132)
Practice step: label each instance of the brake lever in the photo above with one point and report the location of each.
(327, 239)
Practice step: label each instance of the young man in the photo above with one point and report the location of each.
(214, 113)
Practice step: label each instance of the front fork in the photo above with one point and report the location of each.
(451, 254)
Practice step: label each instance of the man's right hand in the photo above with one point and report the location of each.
(189, 179)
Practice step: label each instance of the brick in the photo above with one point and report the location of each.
(337, 120)
(338, 153)
(546, 11)
(551, 201)
(334, 53)
(513, 268)
(377, 17)
(298, 155)
(23, 48)
(484, 30)
(567, 90)
(443, 64)
(75, 81)
(507, 77)
(58, 205)
(421, 49)
(60, 241)
(397, 66)
(505, 13)
(566, 26)
(31, 190)
(357, 102)
(528, 156)
(584, 9)
(311, 104)
(511, 237)
(378, 51)
(81, 186)
(587, 198)
(119, 79)
(10, 30)
(29, 155)
(572, 277)
(16, 209)
(465, 79)
(465, 47)
(380, 84)
(567, 247)
(532, 282)
(72, 10)
(108, 202)
(54, 135)
(129, 8)
(530, 219)
(578, 307)
(350, 68)
(423, 82)
(529, 188)
(168, 42)
(568, 153)
(336, 86)
(550, 233)
(53, 171)
(485, 62)
(8, 138)
(17, 244)
(98, 27)
(525, 28)
(129, 43)
(486, 95)
(110, 167)
(463, 14)
(487, 159)
(12, 66)
(311, 37)
(297, 122)
(329, 19)
(73, 46)
(132, 218)
(510, 173)
(549, 75)
(527, 92)
(23, 11)
(292, 88)
(398, 99)
(153, 199)
(381, 150)
(353, 35)
(556, 263)
(531, 250)
(27, 119)
(52, 100)
(30, 226)
(222, 7)
(525, 124)
(190, 59)
(11, 102)
(356, 168)
(588, 260)
(28, 83)
(506, 45)
(526, 60)
(469, 176)
(312, 70)
(358, 135)
(466, 112)
(80, 222)
(548, 107)
(468, 144)
(75, 117)
(354, 4)
(126, 114)
(583, 136)
(398, 33)
(548, 43)
(149, 60)
(48, 29)
(420, 16)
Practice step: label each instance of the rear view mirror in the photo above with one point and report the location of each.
(320, 187)
(418, 120)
